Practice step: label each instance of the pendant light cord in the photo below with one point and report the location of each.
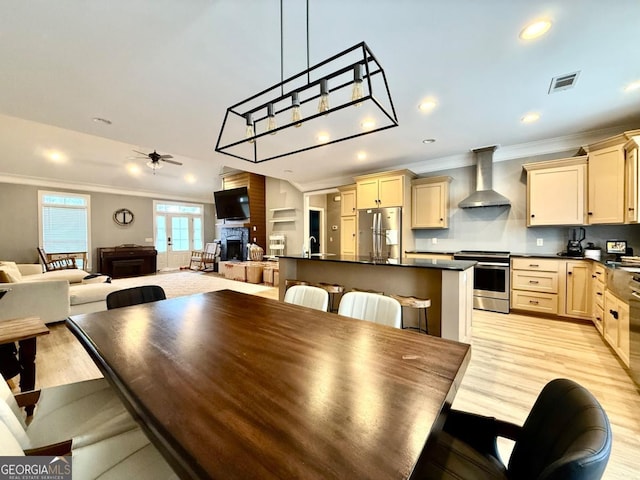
(281, 50)
(308, 74)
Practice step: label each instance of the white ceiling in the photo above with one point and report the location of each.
(164, 72)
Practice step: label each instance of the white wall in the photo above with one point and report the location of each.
(280, 194)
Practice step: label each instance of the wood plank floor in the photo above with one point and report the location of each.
(513, 357)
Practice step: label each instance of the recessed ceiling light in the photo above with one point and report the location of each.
(323, 137)
(429, 140)
(368, 124)
(530, 117)
(535, 29)
(427, 105)
(362, 155)
(55, 156)
(632, 86)
(134, 169)
(101, 120)
(189, 178)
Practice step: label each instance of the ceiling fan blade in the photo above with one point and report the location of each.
(141, 153)
(166, 156)
(171, 161)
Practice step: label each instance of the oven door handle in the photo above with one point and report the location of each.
(493, 264)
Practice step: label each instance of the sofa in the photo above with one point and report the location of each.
(52, 296)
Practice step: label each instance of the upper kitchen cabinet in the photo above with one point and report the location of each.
(430, 202)
(348, 203)
(606, 181)
(556, 192)
(383, 189)
(632, 179)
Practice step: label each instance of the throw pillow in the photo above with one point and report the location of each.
(12, 271)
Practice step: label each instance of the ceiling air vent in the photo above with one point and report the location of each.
(563, 82)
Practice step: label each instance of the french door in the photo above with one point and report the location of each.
(178, 231)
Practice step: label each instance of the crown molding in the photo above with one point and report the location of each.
(43, 182)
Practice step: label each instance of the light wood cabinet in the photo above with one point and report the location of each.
(534, 285)
(616, 325)
(578, 299)
(348, 205)
(606, 185)
(632, 180)
(348, 229)
(556, 192)
(380, 191)
(597, 296)
(430, 202)
(556, 287)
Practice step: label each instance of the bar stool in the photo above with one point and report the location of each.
(414, 302)
(366, 291)
(291, 282)
(333, 290)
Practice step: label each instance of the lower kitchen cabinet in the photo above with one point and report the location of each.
(555, 287)
(616, 325)
(597, 296)
(578, 302)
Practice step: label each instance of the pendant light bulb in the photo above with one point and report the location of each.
(296, 115)
(249, 132)
(271, 120)
(357, 90)
(323, 106)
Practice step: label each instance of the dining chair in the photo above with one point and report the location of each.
(566, 436)
(308, 296)
(126, 455)
(84, 411)
(372, 307)
(135, 296)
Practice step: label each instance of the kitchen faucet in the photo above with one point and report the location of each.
(314, 239)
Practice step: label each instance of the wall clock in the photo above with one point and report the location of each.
(123, 216)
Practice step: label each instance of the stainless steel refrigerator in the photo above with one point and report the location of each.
(379, 233)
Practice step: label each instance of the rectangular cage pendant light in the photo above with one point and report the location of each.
(343, 97)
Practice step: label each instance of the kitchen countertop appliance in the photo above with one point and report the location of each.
(574, 245)
(491, 279)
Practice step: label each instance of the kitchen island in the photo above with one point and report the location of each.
(448, 283)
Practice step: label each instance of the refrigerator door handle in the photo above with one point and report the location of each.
(379, 236)
(373, 234)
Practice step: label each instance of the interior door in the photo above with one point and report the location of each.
(173, 240)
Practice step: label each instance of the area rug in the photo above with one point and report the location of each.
(189, 282)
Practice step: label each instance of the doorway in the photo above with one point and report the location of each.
(178, 230)
(315, 229)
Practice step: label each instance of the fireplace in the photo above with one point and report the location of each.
(234, 242)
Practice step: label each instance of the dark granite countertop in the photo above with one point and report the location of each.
(406, 262)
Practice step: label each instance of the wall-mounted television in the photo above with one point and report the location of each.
(232, 204)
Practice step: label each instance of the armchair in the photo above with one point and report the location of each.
(62, 263)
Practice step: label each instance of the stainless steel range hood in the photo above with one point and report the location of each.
(484, 196)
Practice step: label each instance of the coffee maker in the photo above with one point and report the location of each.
(574, 245)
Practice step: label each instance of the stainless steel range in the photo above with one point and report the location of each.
(491, 279)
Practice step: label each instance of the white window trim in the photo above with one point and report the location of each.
(190, 215)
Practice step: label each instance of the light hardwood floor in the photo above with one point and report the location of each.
(513, 357)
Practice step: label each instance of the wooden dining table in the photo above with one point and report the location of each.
(235, 386)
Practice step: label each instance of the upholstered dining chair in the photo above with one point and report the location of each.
(135, 296)
(567, 436)
(372, 307)
(85, 411)
(128, 454)
(308, 296)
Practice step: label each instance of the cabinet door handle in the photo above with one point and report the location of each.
(532, 215)
(534, 282)
(598, 273)
(631, 209)
(614, 314)
(599, 293)
(532, 265)
(534, 302)
(569, 273)
(593, 276)
(590, 213)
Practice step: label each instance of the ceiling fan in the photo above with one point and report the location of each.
(155, 159)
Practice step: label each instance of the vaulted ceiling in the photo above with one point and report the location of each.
(164, 72)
